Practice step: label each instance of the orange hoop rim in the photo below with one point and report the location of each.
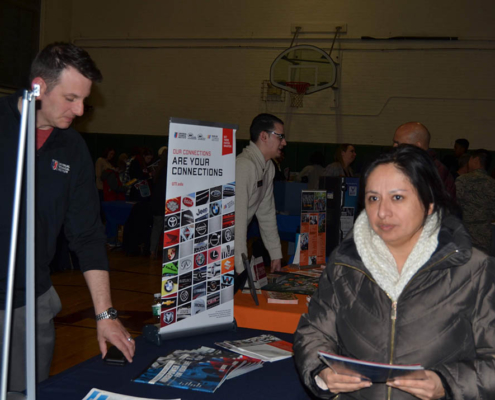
(300, 87)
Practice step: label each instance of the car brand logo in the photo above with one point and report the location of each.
(184, 295)
(187, 218)
(171, 253)
(228, 235)
(200, 259)
(227, 280)
(191, 136)
(214, 255)
(168, 317)
(201, 229)
(169, 286)
(213, 285)
(168, 302)
(216, 194)
(202, 197)
(187, 233)
(172, 205)
(214, 239)
(185, 265)
(215, 209)
(172, 221)
(188, 202)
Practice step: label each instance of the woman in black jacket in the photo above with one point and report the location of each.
(405, 287)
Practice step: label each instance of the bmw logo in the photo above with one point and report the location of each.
(169, 286)
(215, 210)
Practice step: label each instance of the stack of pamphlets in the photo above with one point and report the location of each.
(203, 369)
(374, 372)
(265, 347)
(281, 298)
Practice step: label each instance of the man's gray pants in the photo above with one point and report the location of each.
(47, 307)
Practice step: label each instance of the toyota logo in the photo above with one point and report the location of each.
(172, 222)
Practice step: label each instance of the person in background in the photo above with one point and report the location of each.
(405, 287)
(463, 166)
(158, 201)
(476, 197)
(140, 190)
(66, 196)
(418, 135)
(104, 162)
(311, 173)
(254, 188)
(451, 161)
(121, 166)
(344, 157)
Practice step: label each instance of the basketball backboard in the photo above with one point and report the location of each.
(303, 63)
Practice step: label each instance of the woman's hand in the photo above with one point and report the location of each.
(425, 389)
(338, 383)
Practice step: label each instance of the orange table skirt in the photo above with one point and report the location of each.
(269, 317)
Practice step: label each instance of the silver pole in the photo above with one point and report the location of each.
(9, 293)
(30, 236)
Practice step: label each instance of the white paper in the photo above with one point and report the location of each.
(97, 394)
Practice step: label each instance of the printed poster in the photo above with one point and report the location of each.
(198, 245)
(313, 228)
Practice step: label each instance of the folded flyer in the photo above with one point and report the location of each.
(265, 347)
(374, 372)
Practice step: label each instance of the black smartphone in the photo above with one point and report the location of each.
(115, 357)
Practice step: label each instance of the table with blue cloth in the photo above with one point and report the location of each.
(273, 381)
(116, 213)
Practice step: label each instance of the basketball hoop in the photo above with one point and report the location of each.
(296, 99)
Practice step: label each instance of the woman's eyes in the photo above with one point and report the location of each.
(372, 198)
(397, 197)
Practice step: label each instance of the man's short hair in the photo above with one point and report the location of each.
(263, 122)
(464, 143)
(54, 58)
(484, 156)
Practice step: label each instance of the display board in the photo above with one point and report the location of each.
(198, 244)
(313, 227)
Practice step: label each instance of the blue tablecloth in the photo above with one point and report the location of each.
(277, 380)
(116, 213)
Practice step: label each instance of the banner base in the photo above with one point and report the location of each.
(152, 332)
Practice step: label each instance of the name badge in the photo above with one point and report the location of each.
(260, 183)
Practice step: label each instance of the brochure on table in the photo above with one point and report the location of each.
(198, 244)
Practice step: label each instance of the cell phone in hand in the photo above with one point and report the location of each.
(115, 357)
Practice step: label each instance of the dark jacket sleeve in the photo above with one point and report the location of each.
(317, 331)
(83, 226)
(475, 379)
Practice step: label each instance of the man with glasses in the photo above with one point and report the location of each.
(254, 188)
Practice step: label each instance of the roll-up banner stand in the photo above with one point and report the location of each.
(198, 246)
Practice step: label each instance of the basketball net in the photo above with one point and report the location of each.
(296, 99)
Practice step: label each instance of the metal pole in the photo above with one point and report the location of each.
(9, 292)
(30, 237)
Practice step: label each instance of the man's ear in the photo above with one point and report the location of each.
(263, 136)
(39, 81)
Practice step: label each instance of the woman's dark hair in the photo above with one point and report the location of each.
(107, 150)
(421, 171)
(342, 148)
